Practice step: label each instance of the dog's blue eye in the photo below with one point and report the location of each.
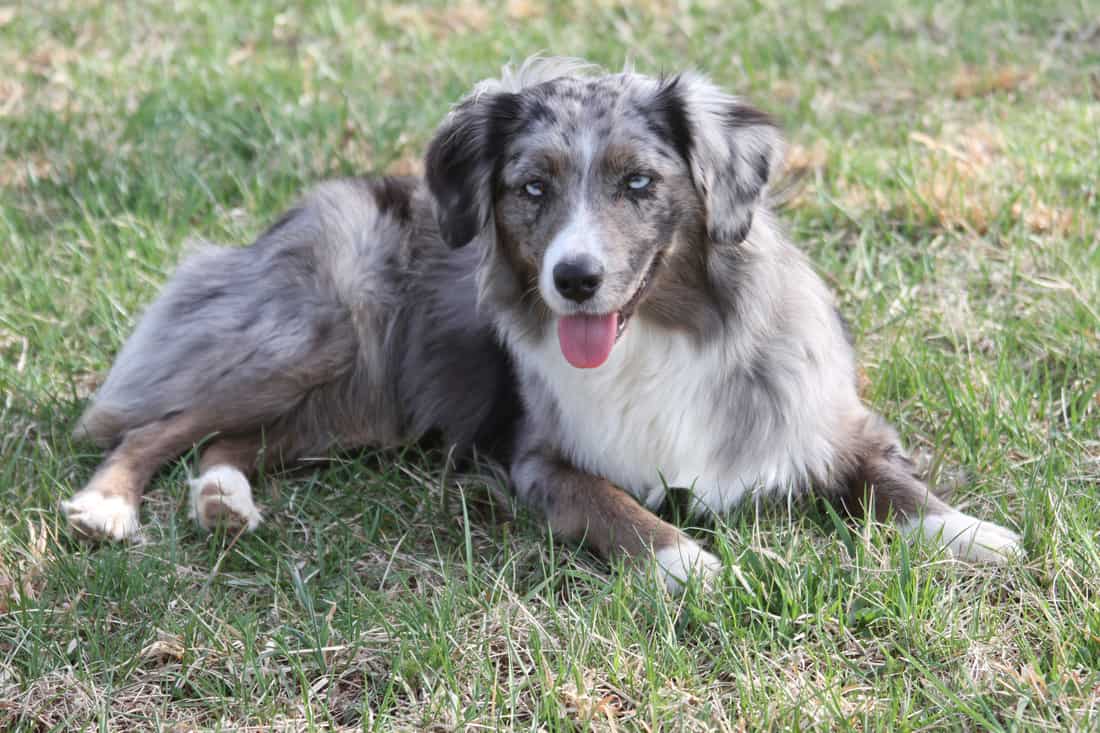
(637, 183)
(533, 189)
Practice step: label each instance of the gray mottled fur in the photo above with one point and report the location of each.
(736, 377)
(343, 324)
(377, 310)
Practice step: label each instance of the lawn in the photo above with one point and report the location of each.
(948, 160)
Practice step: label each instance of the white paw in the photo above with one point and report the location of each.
(968, 538)
(222, 495)
(99, 516)
(683, 561)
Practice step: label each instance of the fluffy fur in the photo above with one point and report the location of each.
(377, 310)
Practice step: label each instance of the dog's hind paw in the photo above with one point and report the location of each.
(679, 563)
(968, 538)
(98, 516)
(223, 496)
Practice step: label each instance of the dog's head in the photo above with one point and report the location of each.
(585, 184)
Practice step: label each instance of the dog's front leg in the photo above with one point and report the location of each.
(581, 507)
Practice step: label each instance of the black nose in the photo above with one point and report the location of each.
(578, 279)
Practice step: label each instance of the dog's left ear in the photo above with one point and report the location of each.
(462, 160)
(731, 147)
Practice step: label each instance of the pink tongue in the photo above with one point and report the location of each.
(586, 341)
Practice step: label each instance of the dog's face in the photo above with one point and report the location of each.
(586, 183)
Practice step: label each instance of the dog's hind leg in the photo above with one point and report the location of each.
(581, 507)
(880, 476)
(222, 494)
(107, 508)
(246, 339)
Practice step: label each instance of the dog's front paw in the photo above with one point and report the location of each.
(679, 563)
(223, 496)
(969, 538)
(96, 515)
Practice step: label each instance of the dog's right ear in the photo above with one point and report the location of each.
(462, 161)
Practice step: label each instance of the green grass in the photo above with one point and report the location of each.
(950, 156)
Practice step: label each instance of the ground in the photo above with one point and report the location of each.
(947, 156)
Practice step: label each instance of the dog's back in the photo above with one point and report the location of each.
(345, 322)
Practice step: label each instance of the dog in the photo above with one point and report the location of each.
(589, 283)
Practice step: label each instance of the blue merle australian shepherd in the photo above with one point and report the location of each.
(588, 281)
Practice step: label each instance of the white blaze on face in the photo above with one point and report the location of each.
(578, 237)
(586, 338)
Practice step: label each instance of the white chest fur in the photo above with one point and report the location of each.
(663, 412)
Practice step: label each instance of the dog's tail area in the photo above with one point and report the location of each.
(239, 334)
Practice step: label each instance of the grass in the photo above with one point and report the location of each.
(950, 157)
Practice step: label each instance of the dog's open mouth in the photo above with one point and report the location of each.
(586, 340)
